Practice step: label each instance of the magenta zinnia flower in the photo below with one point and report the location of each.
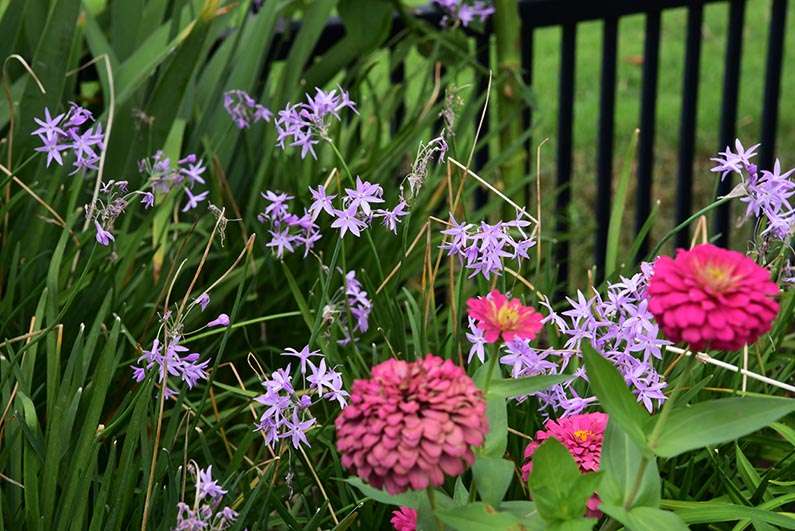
(582, 435)
(404, 519)
(712, 298)
(411, 423)
(498, 315)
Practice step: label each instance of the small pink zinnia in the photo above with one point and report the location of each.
(712, 298)
(404, 519)
(411, 423)
(582, 435)
(498, 315)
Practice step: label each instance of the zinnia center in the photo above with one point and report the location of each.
(582, 435)
(717, 277)
(507, 318)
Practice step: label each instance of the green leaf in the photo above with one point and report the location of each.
(406, 499)
(559, 491)
(621, 459)
(619, 207)
(719, 511)
(614, 395)
(578, 524)
(645, 518)
(493, 476)
(479, 517)
(497, 438)
(367, 24)
(513, 387)
(718, 421)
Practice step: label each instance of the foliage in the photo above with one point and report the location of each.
(87, 443)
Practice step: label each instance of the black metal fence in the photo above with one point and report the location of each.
(567, 14)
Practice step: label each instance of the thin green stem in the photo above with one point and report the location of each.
(656, 432)
(432, 501)
(687, 222)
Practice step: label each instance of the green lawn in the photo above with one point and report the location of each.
(630, 57)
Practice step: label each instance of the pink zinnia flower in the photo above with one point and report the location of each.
(411, 423)
(712, 298)
(498, 315)
(582, 435)
(404, 519)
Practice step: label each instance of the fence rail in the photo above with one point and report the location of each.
(568, 14)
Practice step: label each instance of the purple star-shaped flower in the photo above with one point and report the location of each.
(347, 221)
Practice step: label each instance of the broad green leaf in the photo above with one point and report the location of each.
(718, 421)
(513, 387)
(479, 517)
(620, 463)
(645, 518)
(497, 437)
(367, 24)
(614, 395)
(718, 511)
(578, 524)
(559, 491)
(406, 499)
(493, 476)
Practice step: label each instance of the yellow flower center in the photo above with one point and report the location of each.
(717, 277)
(507, 317)
(582, 435)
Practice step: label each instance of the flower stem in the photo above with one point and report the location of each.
(432, 501)
(656, 432)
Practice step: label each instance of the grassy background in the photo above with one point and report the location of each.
(629, 72)
(544, 94)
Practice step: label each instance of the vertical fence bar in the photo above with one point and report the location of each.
(565, 123)
(604, 163)
(775, 53)
(648, 107)
(526, 32)
(483, 54)
(687, 127)
(728, 117)
(397, 76)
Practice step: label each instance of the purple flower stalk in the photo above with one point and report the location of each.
(287, 414)
(244, 110)
(63, 133)
(185, 367)
(484, 248)
(464, 12)
(767, 193)
(205, 513)
(360, 306)
(302, 124)
(288, 231)
(619, 327)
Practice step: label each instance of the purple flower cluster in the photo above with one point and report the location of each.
(767, 193)
(174, 362)
(63, 133)
(164, 177)
(244, 110)
(465, 12)
(204, 514)
(360, 306)
(302, 124)
(483, 248)
(621, 328)
(288, 231)
(287, 414)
